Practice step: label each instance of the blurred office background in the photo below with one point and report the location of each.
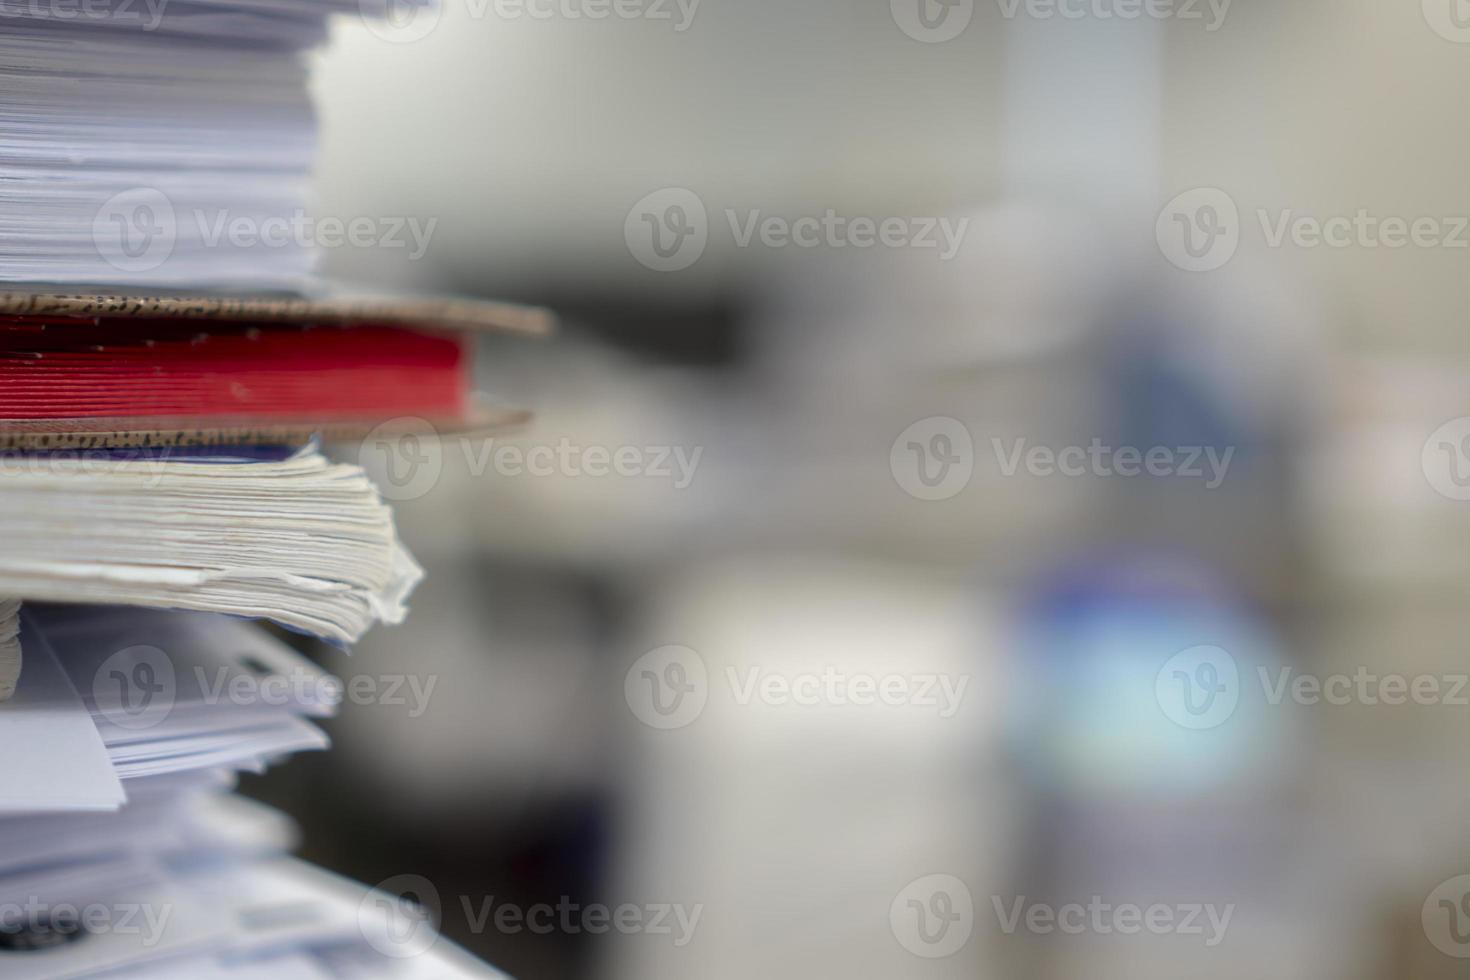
(803, 831)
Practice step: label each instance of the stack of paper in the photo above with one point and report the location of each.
(136, 134)
(120, 844)
(162, 494)
(132, 578)
(275, 534)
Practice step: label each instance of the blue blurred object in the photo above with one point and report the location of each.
(1142, 675)
(1171, 395)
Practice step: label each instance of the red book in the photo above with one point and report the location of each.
(180, 371)
(52, 369)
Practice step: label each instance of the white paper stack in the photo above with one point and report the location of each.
(121, 847)
(292, 538)
(158, 142)
(169, 143)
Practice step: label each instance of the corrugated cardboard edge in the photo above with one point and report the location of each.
(154, 433)
(413, 312)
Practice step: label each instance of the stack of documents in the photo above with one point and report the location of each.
(142, 682)
(121, 847)
(274, 534)
(163, 384)
(138, 137)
